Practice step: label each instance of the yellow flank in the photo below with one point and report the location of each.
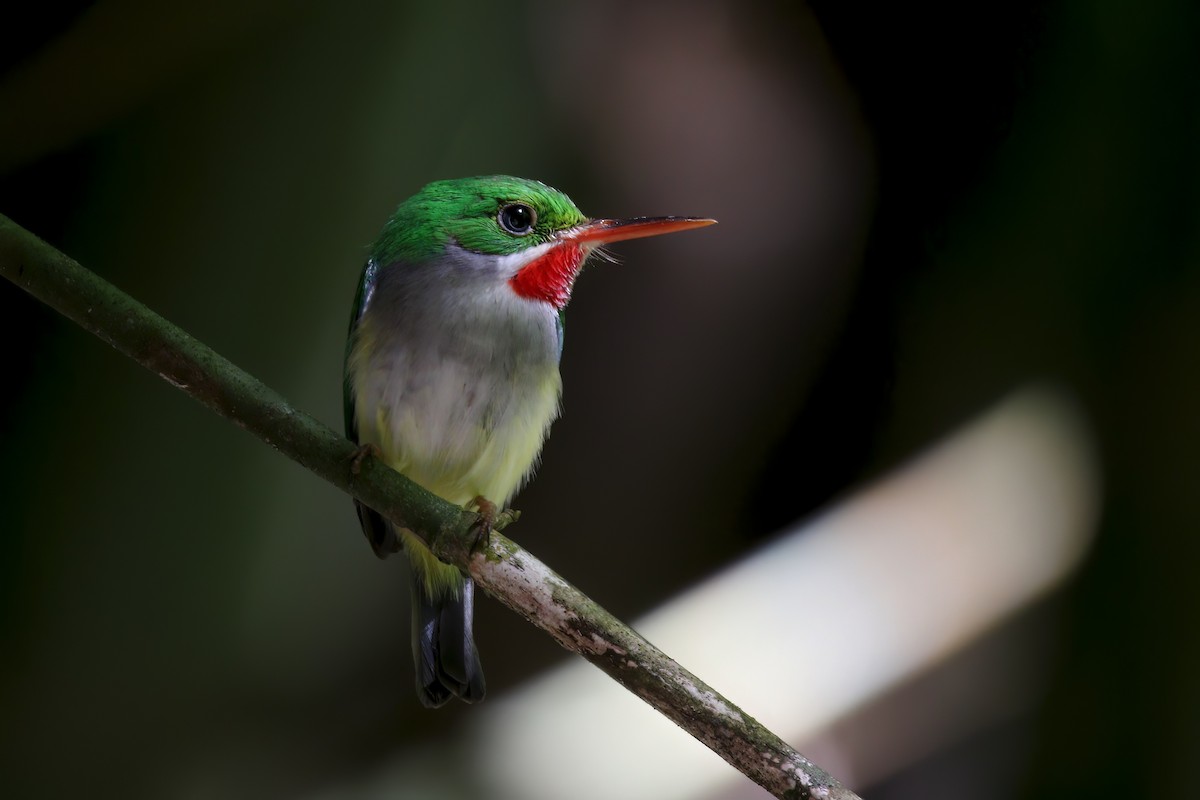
(438, 577)
(448, 446)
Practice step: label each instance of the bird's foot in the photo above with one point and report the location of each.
(361, 454)
(487, 523)
(491, 518)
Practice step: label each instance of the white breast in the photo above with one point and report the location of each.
(457, 388)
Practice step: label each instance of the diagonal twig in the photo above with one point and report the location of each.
(503, 569)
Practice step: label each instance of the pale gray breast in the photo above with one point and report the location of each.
(454, 344)
(460, 308)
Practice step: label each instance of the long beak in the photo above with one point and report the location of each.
(606, 231)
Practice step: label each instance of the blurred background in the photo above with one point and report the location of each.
(923, 209)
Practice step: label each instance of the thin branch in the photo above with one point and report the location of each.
(503, 569)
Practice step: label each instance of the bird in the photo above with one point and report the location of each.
(452, 372)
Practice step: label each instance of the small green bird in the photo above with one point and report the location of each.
(452, 371)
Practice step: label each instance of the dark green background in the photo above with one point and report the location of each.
(921, 209)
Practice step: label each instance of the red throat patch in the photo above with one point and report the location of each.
(550, 277)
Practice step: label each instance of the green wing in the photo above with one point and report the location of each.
(375, 528)
(366, 288)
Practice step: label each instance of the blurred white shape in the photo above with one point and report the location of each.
(830, 615)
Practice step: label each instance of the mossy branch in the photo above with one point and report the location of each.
(503, 569)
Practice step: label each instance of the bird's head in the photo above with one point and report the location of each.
(521, 232)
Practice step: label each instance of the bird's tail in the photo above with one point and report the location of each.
(443, 645)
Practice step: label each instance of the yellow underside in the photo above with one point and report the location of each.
(457, 458)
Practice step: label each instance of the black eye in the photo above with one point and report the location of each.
(517, 218)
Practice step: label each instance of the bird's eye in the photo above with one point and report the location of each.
(517, 218)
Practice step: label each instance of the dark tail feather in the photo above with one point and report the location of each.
(444, 646)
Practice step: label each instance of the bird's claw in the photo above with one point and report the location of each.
(491, 518)
(361, 454)
(488, 513)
